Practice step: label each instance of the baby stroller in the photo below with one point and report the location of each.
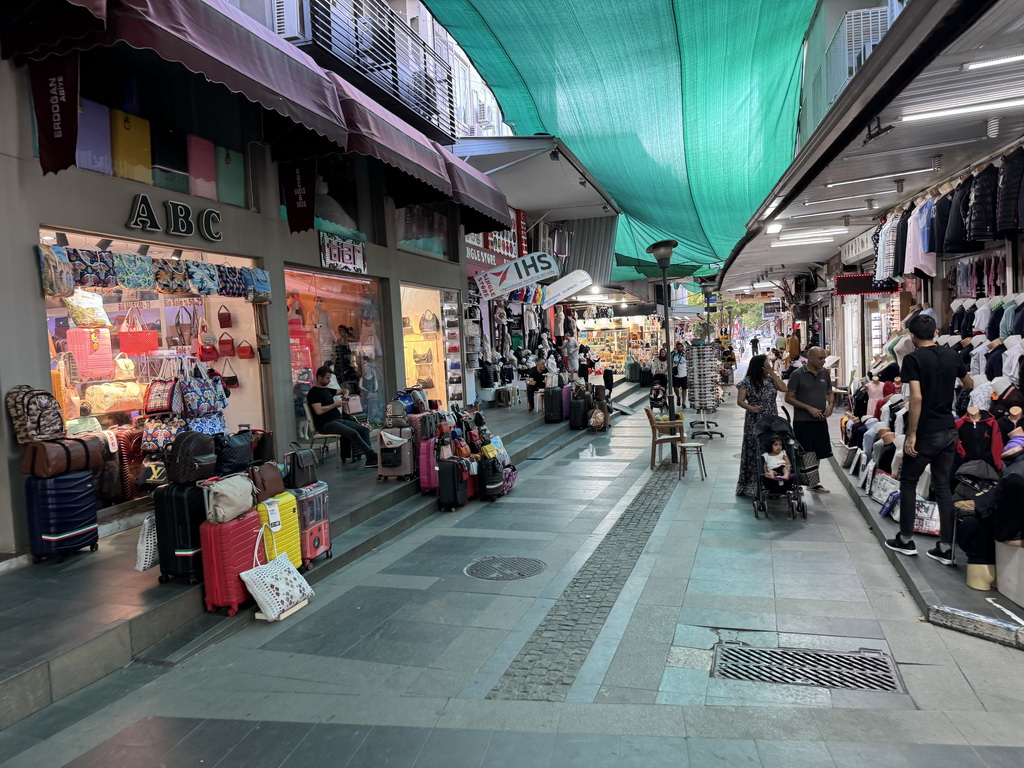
(766, 431)
(657, 397)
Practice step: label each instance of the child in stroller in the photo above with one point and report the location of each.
(778, 478)
(657, 397)
(776, 469)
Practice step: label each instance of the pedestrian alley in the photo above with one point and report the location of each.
(604, 657)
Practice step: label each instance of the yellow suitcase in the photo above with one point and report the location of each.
(287, 538)
(131, 147)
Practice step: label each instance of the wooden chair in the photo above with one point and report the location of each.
(661, 434)
(342, 443)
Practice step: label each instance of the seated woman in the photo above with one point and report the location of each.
(776, 467)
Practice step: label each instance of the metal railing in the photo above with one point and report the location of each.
(858, 34)
(372, 39)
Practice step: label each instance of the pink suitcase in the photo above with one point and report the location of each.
(202, 167)
(91, 349)
(227, 551)
(397, 462)
(428, 466)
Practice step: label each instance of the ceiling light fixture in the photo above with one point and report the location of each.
(827, 213)
(899, 186)
(773, 228)
(965, 110)
(847, 197)
(846, 221)
(883, 176)
(811, 241)
(818, 233)
(994, 62)
(103, 244)
(923, 147)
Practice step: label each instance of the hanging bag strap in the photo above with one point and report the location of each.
(262, 539)
(229, 367)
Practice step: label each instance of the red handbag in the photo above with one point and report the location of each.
(224, 317)
(135, 339)
(244, 351)
(208, 353)
(226, 346)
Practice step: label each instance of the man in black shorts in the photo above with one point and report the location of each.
(679, 377)
(810, 394)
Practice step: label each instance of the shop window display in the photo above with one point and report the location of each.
(423, 229)
(335, 321)
(431, 330)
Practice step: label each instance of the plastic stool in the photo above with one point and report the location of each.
(698, 450)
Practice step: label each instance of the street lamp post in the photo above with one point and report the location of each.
(662, 252)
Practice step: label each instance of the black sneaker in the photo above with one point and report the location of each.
(896, 544)
(943, 556)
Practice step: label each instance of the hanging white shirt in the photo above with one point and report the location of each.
(978, 359)
(1011, 361)
(981, 318)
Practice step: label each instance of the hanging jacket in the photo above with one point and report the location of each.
(902, 233)
(957, 320)
(980, 440)
(939, 222)
(981, 210)
(955, 240)
(1008, 192)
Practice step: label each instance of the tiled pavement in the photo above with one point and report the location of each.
(393, 661)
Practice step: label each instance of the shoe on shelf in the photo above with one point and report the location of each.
(896, 544)
(943, 556)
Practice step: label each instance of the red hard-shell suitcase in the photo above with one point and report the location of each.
(227, 551)
(129, 455)
(397, 462)
(427, 463)
(472, 487)
(180, 511)
(453, 486)
(314, 522)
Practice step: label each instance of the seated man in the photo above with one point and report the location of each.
(329, 420)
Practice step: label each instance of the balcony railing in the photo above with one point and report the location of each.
(858, 34)
(374, 41)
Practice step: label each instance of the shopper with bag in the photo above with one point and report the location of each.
(329, 419)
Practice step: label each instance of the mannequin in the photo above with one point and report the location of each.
(870, 435)
(1013, 420)
(559, 321)
(370, 383)
(294, 308)
(571, 349)
(1015, 445)
(887, 454)
(1011, 357)
(875, 390)
(980, 439)
(318, 326)
(897, 459)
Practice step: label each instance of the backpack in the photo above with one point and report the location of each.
(597, 421)
(35, 413)
(508, 373)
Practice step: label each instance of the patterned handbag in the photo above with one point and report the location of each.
(92, 269)
(56, 272)
(203, 395)
(807, 464)
(202, 277)
(165, 394)
(257, 284)
(230, 281)
(171, 276)
(158, 432)
(211, 424)
(134, 271)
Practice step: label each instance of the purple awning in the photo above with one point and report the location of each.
(208, 37)
(376, 132)
(484, 207)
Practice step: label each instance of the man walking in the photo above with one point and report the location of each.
(810, 394)
(679, 377)
(931, 371)
(755, 343)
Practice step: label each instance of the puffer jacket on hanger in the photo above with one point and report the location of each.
(981, 211)
(1008, 192)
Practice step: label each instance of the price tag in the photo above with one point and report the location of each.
(273, 515)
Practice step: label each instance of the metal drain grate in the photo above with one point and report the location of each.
(863, 670)
(504, 568)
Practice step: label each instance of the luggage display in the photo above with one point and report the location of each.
(577, 414)
(61, 515)
(227, 551)
(49, 458)
(180, 511)
(266, 478)
(190, 458)
(508, 477)
(281, 513)
(399, 461)
(502, 397)
(491, 480)
(424, 425)
(646, 377)
(426, 462)
(90, 347)
(301, 468)
(599, 393)
(35, 414)
(553, 405)
(314, 522)
(633, 371)
(453, 486)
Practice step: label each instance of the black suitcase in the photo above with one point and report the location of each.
(577, 414)
(633, 372)
(553, 405)
(453, 487)
(491, 481)
(61, 514)
(179, 511)
(609, 380)
(646, 377)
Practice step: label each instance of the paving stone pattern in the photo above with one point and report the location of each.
(546, 667)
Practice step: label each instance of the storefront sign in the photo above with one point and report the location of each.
(516, 274)
(860, 285)
(54, 83)
(298, 184)
(771, 309)
(521, 232)
(342, 254)
(179, 219)
(484, 256)
(565, 287)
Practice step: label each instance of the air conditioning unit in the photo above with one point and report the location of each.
(485, 115)
(290, 19)
(858, 250)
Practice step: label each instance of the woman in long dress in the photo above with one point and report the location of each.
(756, 393)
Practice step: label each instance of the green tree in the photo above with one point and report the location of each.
(749, 315)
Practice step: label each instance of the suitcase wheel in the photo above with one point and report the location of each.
(94, 547)
(232, 611)
(380, 478)
(37, 559)
(330, 553)
(163, 578)
(308, 565)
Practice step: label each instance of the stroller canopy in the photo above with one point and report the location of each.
(772, 425)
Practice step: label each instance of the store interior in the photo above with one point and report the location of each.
(433, 342)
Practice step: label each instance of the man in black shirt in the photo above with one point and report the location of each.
(329, 420)
(931, 372)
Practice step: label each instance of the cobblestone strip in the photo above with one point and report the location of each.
(548, 664)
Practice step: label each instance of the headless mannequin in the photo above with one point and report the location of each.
(875, 391)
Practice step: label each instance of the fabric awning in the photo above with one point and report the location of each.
(208, 37)
(376, 132)
(484, 207)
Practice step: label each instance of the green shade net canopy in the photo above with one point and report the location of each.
(684, 110)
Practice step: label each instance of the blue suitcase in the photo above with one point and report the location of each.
(61, 515)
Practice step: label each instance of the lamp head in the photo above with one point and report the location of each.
(662, 252)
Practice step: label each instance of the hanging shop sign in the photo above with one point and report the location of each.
(342, 254)
(516, 274)
(298, 185)
(179, 219)
(521, 231)
(54, 83)
(770, 309)
(565, 287)
(485, 257)
(861, 285)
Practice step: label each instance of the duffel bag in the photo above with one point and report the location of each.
(190, 458)
(228, 497)
(49, 458)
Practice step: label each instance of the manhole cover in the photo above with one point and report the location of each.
(864, 670)
(504, 568)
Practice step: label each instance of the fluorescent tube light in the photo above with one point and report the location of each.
(773, 228)
(876, 178)
(851, 197)
(994, 62)
(968, 110)
(819, 233)
(803, 242)
(865, 209)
